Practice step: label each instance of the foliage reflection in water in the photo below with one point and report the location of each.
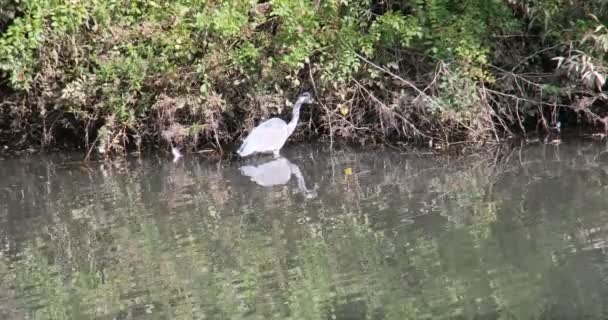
(516, 234)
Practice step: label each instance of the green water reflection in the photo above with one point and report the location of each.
(515, 234)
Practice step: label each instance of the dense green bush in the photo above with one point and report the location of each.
(192, 71)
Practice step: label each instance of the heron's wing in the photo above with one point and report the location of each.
(272, 123)
(267, 136)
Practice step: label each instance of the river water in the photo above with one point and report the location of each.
(517, 233)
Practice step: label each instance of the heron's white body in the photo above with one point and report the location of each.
(274, 132)
(270, 135)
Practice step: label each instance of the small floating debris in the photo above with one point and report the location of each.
(176, 154)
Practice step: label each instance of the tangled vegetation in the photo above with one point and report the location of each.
(120, 74)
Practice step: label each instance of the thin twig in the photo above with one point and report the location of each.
(327, 111)
(535, 54)
(527, 100)
(411, 85)
(418, 132)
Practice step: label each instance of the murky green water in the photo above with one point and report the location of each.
(514, 234)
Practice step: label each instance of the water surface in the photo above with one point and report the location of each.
(513, 234)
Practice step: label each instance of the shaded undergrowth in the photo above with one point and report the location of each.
(119, 75)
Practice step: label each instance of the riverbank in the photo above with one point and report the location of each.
(114, 78)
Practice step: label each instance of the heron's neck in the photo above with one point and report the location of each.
(295, 116)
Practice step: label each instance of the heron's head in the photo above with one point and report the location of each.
(305, 97)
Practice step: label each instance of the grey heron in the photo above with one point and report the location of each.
(270, 135)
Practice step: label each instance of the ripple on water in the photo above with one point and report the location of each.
(343, 235)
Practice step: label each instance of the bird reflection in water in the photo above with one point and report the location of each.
(277, 172)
